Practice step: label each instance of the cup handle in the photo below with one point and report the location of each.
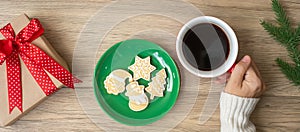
(232, 68)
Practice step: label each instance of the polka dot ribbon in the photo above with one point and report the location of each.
(36, 60)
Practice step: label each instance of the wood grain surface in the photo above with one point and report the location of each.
(63, 20)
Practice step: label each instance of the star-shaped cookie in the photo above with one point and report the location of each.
(142, 68)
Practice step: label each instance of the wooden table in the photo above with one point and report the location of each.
(278, 109)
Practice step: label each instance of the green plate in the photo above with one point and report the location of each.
(121, 56)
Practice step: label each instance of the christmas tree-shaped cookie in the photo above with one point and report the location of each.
(157, 85)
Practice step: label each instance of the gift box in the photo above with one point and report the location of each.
(30, 68)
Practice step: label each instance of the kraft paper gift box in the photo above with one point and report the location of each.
(31, 91)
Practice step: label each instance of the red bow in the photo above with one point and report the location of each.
(36, 60)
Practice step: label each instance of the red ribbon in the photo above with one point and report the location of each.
(35, 59)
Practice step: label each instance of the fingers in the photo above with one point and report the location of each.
(254, 80)
(251, 72)
(256, 69)
(240, 70)
(258, 73)
(245, 80)
(222, 79)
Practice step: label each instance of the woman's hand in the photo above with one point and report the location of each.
(245, 80)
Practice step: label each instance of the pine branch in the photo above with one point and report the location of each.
(288, 37)
(297, 35)
(280, 13)
(276, 33)
(291, 72)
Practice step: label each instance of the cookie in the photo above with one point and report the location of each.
(142, 68)
(138, 100)
(137, 107)
(115, 81)
(134, 89)
(157, 85)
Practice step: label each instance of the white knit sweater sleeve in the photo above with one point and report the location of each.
(235, 112)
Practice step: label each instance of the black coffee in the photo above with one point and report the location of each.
(205, 46)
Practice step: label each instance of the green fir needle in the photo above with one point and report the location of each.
(288, 37)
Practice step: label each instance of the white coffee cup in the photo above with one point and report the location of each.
(233, 47)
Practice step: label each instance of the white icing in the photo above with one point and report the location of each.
(139, 99)
(120, 79)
